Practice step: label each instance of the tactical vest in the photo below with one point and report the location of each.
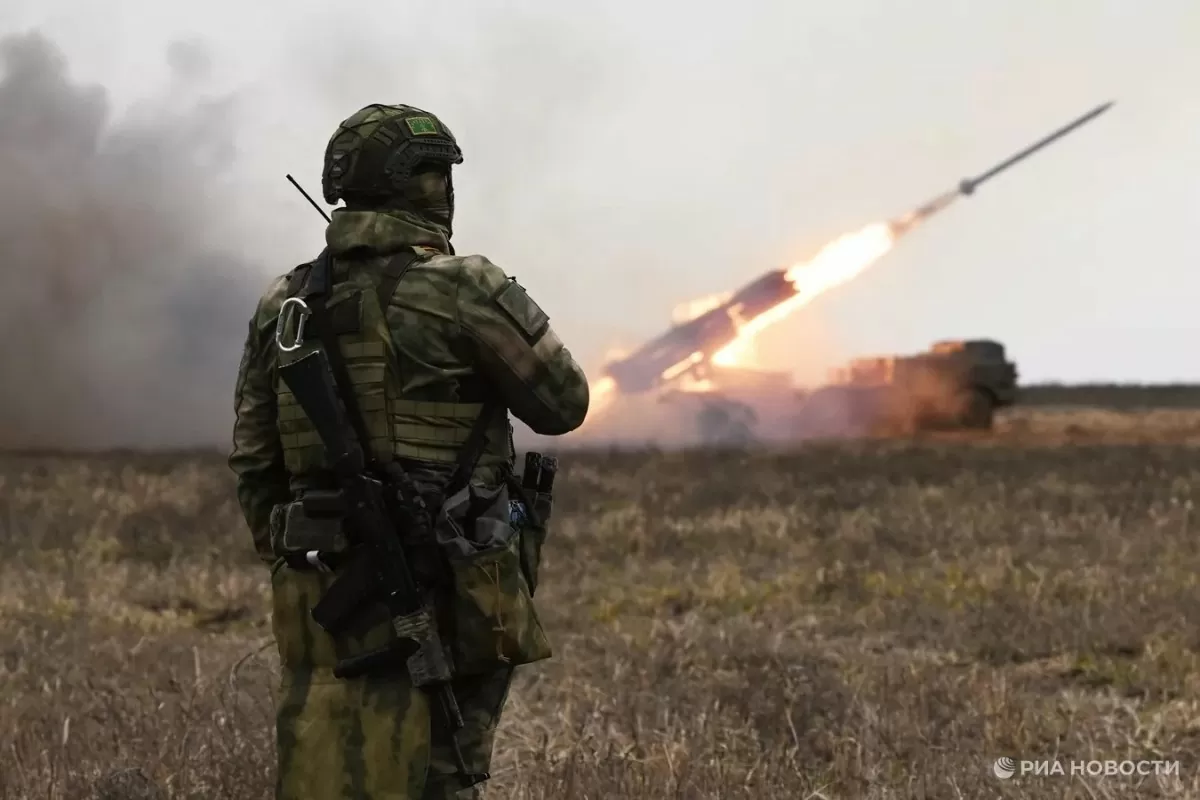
(399, 427)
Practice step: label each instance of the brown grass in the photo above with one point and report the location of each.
(876, 620)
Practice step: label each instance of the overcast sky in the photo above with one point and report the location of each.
(625, 156)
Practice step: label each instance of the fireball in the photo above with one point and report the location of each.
(838, 262)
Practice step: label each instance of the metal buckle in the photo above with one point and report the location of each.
(292, 307)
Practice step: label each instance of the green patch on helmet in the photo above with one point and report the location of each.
(422, 126)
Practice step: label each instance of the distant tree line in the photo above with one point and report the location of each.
(1111, 395)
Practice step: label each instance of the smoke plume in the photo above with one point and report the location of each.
(121, 310)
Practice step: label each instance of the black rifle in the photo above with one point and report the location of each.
(416, 645)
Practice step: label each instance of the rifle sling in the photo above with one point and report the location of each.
(319, 282)
(472, 448)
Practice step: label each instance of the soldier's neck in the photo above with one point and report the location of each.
(382, 231)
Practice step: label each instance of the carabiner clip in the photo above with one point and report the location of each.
(292, 307)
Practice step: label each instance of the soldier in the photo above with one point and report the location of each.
(431, 341)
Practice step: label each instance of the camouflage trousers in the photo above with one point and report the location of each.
(372, 738)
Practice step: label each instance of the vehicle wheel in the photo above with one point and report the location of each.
(829, 412)
(725, 423)
(979, 411)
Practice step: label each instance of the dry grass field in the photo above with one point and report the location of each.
(866, 620)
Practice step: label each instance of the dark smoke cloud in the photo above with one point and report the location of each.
(122, 309)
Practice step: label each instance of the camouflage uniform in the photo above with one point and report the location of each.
(443, 345)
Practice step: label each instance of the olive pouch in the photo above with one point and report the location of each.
(313, 523)
(537, 507)
(491, 603)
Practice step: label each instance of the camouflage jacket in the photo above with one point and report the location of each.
(449, 335)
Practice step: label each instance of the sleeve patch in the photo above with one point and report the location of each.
(518, 306)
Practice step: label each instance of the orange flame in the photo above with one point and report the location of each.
(603, 391)
(601, 394)
(836, 263)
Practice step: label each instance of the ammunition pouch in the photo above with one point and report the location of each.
(308, 532)
(308, 535)
(490, 599)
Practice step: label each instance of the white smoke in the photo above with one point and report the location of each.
(122, 311)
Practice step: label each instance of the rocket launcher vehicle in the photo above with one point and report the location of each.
(689, 346)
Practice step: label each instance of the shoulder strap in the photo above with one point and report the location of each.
(297, 279)
(472, 448)
(319, 278)
(393, 272)
(319, 282)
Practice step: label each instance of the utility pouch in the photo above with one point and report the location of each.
(312, 524)
(535, 490)
(491, 605)
(531, 514)
(307, 535)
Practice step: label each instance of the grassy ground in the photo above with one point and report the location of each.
(876, 620)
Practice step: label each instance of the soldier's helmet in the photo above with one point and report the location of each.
(376, 150)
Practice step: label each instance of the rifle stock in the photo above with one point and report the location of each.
(310, 380)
